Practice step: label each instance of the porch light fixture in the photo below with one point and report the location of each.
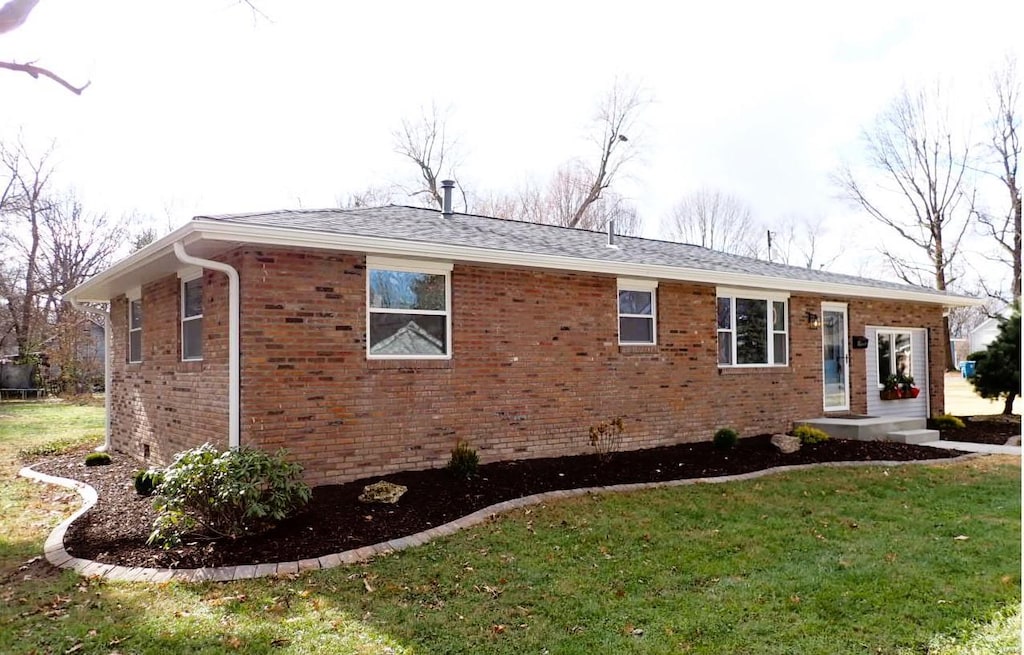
(812, 319)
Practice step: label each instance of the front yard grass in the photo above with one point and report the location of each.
(913, 559)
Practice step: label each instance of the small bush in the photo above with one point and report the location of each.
(97, 459)
(208, 493)
(606, 436)
(809, 435)
(726, 438)
(147, 481)
(947, 421)
(464, 461)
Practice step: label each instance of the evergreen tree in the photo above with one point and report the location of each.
(997, 369)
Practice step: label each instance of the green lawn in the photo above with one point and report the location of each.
(920, 559)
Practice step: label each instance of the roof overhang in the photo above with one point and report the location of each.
(207, 238)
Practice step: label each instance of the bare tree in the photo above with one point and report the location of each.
(75, 246)
(23, 214)
(617, 114)
(556, 202)
(917, 190)
(427, 143)
(797, 241)
(371, 196)
(1004, 148)
(713, 219)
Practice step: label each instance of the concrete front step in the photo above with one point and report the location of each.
(864, 428)
(913, 436)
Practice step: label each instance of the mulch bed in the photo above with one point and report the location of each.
(991, 429)
(115, 530)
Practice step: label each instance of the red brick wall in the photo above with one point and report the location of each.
(162, 402)
(536, 363)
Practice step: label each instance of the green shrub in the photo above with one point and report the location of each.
(97, 459)
(209, 493)
(809, 435)
(147, 481)
(946, 421)
(725, 438)
(464, 461)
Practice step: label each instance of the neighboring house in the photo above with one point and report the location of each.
(985, 332)
(372, 340)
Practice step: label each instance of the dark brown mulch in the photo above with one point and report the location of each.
(990, 429)
(115, 531)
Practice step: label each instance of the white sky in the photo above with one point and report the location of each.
(197, 107)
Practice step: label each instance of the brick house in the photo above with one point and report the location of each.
(368, 341)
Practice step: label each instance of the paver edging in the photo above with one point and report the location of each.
(60, 558)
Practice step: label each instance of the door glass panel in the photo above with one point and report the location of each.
(833, 354)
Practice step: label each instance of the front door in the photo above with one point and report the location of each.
(835, 359)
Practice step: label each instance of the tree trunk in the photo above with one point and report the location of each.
(1008, 406)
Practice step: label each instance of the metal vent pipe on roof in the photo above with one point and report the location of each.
(611, 234)
(447, 186)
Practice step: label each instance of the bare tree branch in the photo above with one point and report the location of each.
(36, 71)
(427, 144)
(616, 115)
(1004, 149)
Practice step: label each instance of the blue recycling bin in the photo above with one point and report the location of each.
(967, 368)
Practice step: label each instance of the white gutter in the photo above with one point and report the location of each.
(233, 336)
(107, 341)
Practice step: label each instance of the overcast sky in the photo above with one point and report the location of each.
(197, 106)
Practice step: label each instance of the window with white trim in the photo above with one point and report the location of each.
(753, 328)
(637, 312)
(135, 331)
(408, 309)
(895, 354)
(192, 319)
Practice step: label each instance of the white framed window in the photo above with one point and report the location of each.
(637, 309)
(753, 328)
(408, 309)
(895, 354)
(134, 330)
(192, 316)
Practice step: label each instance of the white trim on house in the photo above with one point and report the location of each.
(134, 293)
(154, 260)
(190, 273)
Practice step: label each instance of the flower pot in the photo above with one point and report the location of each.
(914, 392)
(890, 394)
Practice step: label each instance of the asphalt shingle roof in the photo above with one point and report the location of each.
(416, 224)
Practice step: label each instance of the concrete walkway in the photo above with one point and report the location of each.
(963, 446)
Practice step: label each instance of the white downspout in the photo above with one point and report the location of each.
(233, 336)
(107, 342)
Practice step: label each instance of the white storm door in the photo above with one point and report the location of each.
(835, 359)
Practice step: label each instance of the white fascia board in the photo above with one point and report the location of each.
(134, 262)
(200, 229)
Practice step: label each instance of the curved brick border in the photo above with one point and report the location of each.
(57, 555)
